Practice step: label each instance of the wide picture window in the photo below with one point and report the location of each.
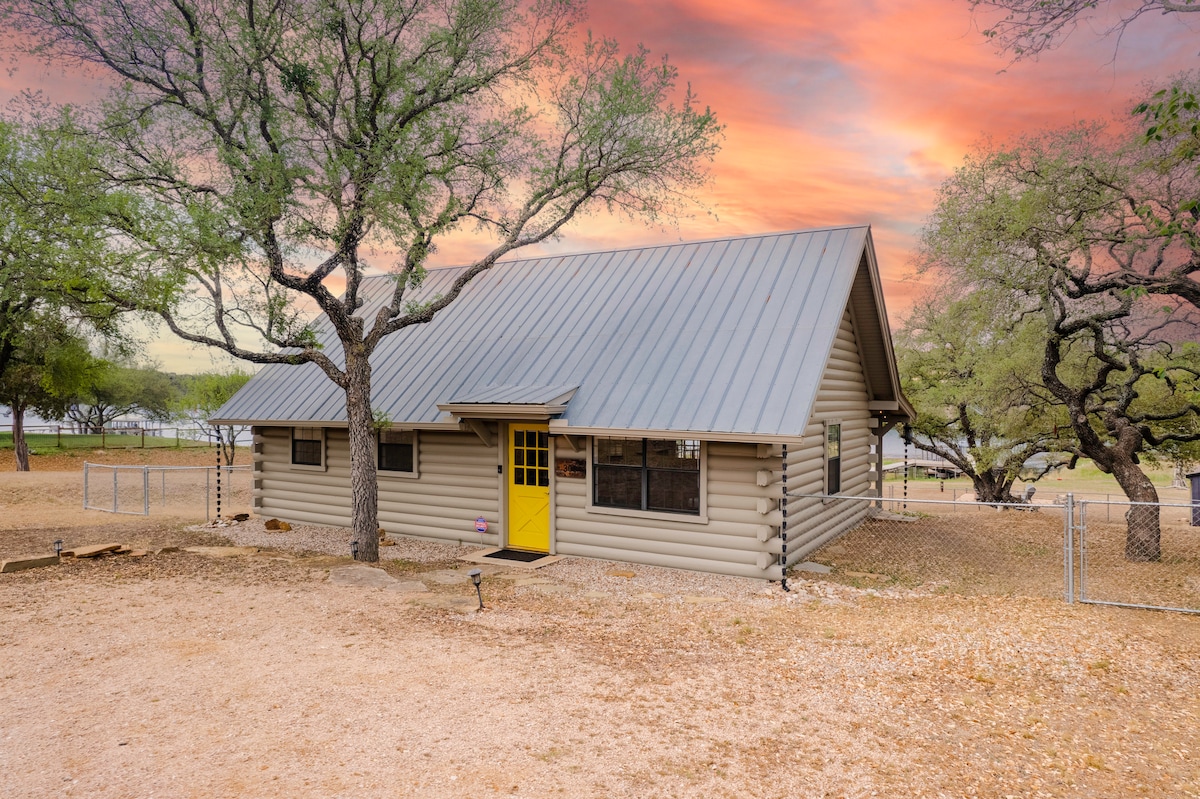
(647, 474)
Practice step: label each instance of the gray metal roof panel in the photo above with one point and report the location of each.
(511, 395)
(727, 335)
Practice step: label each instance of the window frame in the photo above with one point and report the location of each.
(685, 517)
(827, 462)
(389, 474)
(322, 438)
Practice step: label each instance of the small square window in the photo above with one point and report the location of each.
(397, 451)
(308, 446)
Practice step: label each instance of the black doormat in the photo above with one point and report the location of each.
(516, 554)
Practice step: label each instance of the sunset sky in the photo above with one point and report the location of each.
(835, 112)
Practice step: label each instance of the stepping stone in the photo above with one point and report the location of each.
(408, 587)
(550, 588)
(221, 552)
(90, 552)
(704, 600)
(446, 577)
(626, 573)
(649, 595)
(818, 568)
(596, 595)
(459, 604)
(361, 576)
(532, 581)
(27, 562)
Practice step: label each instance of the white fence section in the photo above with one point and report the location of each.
(174, 490)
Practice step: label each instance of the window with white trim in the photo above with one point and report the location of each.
(397, 452)
(308, 446)
(647, 474)
(833, 458)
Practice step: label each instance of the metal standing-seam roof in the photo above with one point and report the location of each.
(721, 337)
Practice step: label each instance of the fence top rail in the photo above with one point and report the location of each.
(912, 501)
(151, 468)
(1125, 503)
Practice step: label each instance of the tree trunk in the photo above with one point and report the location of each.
(1143, 534)
(227, 441)
(364, 490)
(20, 447)
(991, 487)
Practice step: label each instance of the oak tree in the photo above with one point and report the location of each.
(286, 148)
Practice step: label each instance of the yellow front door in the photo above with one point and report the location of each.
(529, 487)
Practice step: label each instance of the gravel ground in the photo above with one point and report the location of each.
(182, 675)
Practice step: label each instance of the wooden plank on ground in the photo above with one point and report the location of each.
(90, 552)
(27, 562)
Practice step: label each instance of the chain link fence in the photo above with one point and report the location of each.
(1138, 554)
(1143, 555)
(940, 546)
(168, 490)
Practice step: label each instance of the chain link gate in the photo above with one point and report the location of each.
(1139, 555)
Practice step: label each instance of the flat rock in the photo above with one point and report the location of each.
(626, 573)
(596, 595)
(446, 577)
(137, 553)
(818, 568)
(166, 550)
(533, 581)
(27, 562)
(362, 576)
(704, 600)
(221, 552)
(408, 587)
(94, 551)
(459, 604)
(550, 588)
(650, 595)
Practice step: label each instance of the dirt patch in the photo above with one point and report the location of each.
(185, 675)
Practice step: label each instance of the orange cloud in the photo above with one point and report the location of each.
(836, 113)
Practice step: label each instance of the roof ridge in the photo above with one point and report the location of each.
(632, 248)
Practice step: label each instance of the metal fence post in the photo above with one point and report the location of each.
(1069, 549)
(115, 471)
(145, 490)
(207, 492)
(1083, 550)
(85, 485)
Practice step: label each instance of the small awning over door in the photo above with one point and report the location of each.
(525, 403)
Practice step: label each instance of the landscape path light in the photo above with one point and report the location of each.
(476, 576)
(58, 546)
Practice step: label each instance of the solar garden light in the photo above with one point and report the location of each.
(476, 576)
(354, 549)
(58, 544)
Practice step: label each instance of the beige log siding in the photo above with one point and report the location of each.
(457, 484)
(727, 544)
(842, 397)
